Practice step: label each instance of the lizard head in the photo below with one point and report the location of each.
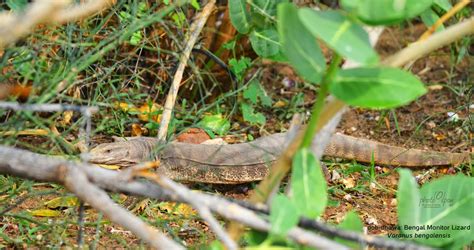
(115, 153)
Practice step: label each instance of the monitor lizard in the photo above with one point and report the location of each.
(247, 162)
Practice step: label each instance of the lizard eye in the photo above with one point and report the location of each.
(108, 151)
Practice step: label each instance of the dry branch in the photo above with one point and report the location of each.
(14, 26)
(77, 182)
(195, 30)
(23, 163)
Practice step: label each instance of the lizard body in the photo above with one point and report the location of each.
(247, 162)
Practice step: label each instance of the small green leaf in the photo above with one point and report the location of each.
(239, 15)
(429, 17)
(443, 4)
(217, 123)
(255, 90)
(342, 34)
(68, 201)
(283, 215)
(265, 42)
(239, 66)
(195, 4)
(351, 222)
(298, 45)
(249, 114)
(136, 38)
(376, 87)
(17, 5)
(408, 198)
(308, 185)
(376, 12)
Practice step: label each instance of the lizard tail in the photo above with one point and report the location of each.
(362, 150)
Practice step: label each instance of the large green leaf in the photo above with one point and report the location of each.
(216, 123)
(408, 198)
(343, 35)
(441, 209)
(378, 12)
(265, 41)
(299, 46)
(376, 87)
(255, 92)
(283, 215)
(448, 202)
(308, 185)
(239, 16)
(351, 222)
(250, 115)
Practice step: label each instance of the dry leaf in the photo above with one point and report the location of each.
(124, 106)
(68, 201)
(26, 132)
(146, 112)
(194, 136)
(137, 130)
(45, 213)
(348, 182)
(178, 209)
(438, 137)
(435, 87)
(141, 205)
(280, 104)
(111, 167)
(66, 118)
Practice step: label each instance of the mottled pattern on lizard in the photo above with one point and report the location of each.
(247, 162)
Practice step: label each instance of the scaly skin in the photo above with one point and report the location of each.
(247, 162)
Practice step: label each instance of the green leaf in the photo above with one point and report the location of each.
(376, 87)
(376, 12)
(265, 42)
(239, 16)
(351, 222)
(239, 66)
(216, 123)
(308, 185)
(17, 5)
(255, 90)
(136, 38)
(250, 115)
(195, 4)
(298, 45)
(429, 17)
(443, 4)
(408, 198)
(264, 11)
(340, 33)
(448, 202)
(67, 201)
(283, 215)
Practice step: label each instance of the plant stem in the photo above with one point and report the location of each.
(318, 106)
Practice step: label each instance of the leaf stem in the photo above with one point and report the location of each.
(318, 106)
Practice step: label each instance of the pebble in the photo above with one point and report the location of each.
(453, 117)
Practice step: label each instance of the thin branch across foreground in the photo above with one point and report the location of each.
(88, 182)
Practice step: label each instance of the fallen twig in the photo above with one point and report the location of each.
(18, 162)
(77, 182)
(14, 26)
(195, 30)
(203, 211)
